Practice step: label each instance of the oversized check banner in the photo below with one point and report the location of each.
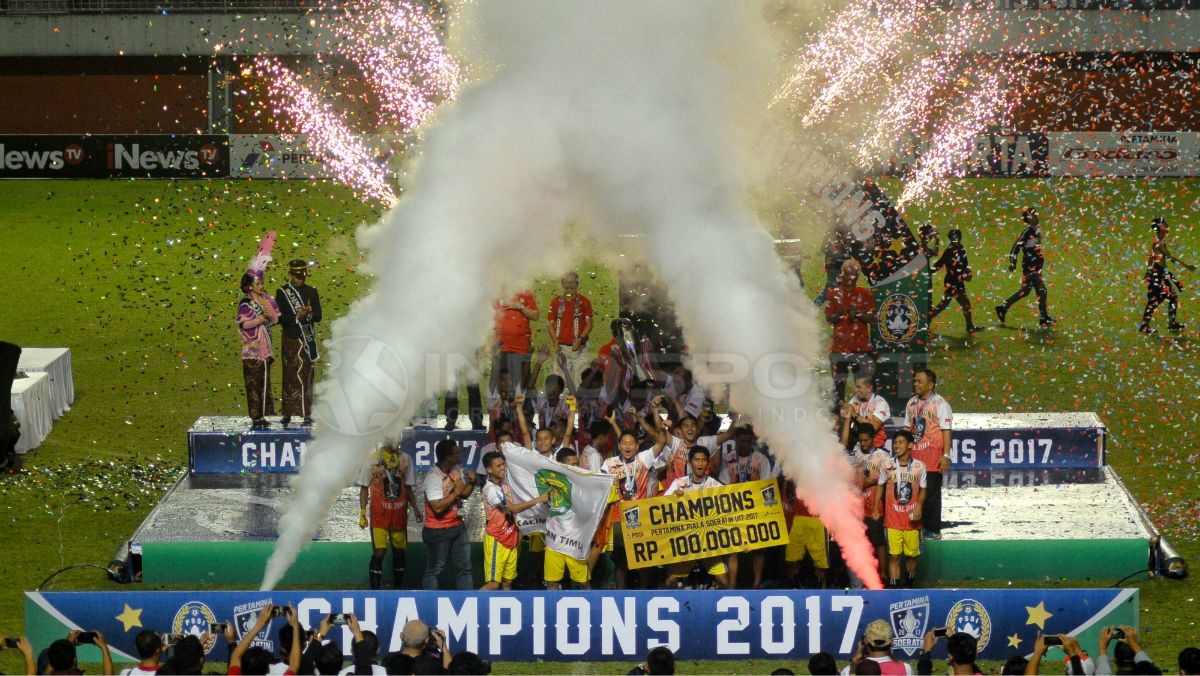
(704, 523)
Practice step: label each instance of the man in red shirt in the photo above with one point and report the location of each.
(513, 334)
(570, 320)
(849, 308)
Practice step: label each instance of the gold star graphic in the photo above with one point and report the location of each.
(1014, 641)
(897, 245)
(130, 618)
(1038, 615)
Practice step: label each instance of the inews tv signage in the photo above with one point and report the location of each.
(113, 156)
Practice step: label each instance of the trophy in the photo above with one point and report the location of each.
(633, 351)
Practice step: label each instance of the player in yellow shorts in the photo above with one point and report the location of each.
(904, 542)
(500, 536)
(806, 537)
(385, 486)
(557, 563)
(697, 479)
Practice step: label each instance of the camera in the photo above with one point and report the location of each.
(432, 649)
(940, 632)
(86, 637)
(1052, 640)
(338, 618)
(10, 642)
(1116, 633)
(217, 629)
(171, 639)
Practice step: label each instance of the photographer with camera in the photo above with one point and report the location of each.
(1128, 653)
(23, 645)
(256, 660)
(425, 650)
(1077, 660)
(60, 657)
(962, 649)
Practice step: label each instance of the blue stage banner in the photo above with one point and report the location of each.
(1025, 448)
(612, 625)
(1059, 448)
(282, 451)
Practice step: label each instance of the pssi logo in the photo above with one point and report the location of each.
(970, 617)
(898, 318)
(193, 619)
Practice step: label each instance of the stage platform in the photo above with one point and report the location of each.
(1001, 525)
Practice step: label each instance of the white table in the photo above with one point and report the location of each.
(32, 401)
(56, 362)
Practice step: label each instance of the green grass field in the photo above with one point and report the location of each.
(139, 280)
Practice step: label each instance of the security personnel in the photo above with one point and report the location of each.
(1029, 244)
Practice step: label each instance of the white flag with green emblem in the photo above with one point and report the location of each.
(577, 499)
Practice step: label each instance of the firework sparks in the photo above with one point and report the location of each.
(985, 106)
(351, 162)
(396, 46)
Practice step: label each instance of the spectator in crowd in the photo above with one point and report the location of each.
(784, 671)
(256, 313)
(365, 651)
(1160, 283)
(849, 310)
(60, 657)
(300, 310)
(257, 660)
(570, 320)
(1077, 660)
(1029, 245)
(426, 647)
(26, 650)
(745, 462)
(444, 535)
(386, 484)
(467, 662)
(500, 538)
(961, 647)
(1014, 666)
(868, 408)
(902, 484)
(1189, 661)
(285, 635)
(954, 285)
(1128, 653)
(660, 660)
(868, 458)
(822, 664)
(876, 646)
(149, 648)
(187, 657)
(695, 480)
(328, 659)
(513, 314)
(925, 399)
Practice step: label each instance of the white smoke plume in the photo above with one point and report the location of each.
(625, 116)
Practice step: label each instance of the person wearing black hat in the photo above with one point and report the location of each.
(958, 273)
(1160, 283)
(300, 309)
(1029, 244)
(10, 429)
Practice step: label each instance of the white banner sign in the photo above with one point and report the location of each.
(1125, 154)
(288, 155)
(577, 499)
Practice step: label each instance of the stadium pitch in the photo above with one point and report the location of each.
(139, 280)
